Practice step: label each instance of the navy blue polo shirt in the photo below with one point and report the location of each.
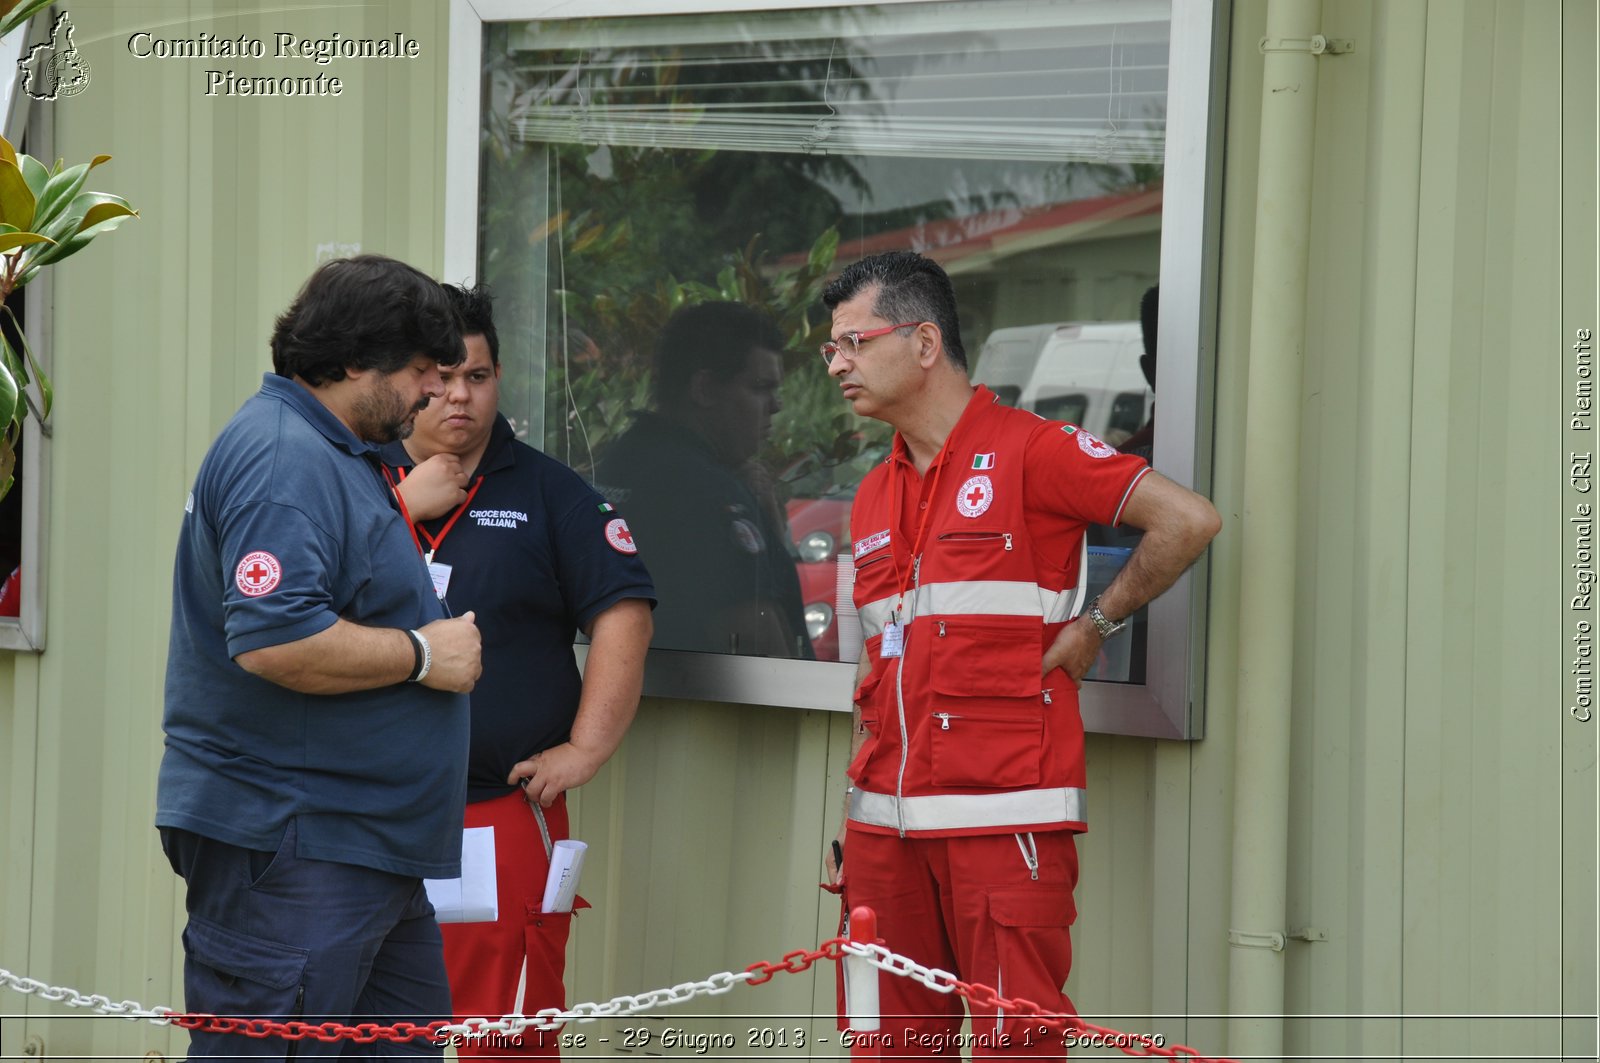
(290, 527)
(537, 554)
(712, 546)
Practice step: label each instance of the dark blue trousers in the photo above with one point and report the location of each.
(274, 936)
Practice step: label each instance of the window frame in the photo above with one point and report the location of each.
(26, 631)
(1169, 704)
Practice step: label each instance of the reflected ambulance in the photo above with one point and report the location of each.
(1086, 373)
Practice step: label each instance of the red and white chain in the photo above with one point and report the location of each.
(554, 1018)
(511, 1025)
(127, 1009)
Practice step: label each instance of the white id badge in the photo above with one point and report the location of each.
(894, 641)
(441, 578)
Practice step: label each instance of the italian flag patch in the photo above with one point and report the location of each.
(983, 461)
(607, 507)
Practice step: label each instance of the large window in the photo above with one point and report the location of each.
(662, 198)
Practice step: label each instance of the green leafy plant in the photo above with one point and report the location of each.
(14, 13)
(45, 216)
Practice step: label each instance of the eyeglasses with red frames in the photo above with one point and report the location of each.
(833, 348)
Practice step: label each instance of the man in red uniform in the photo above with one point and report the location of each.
(967, 766)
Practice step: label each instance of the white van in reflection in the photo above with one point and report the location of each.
(1083, 372)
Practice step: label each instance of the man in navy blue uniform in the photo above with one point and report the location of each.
(538, 555)
(690, 475)
(316, 709)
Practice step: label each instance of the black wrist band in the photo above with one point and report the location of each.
(416, 648)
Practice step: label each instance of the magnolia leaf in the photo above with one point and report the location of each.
(104, 212)
(97, 160)
(61, 190)
(44, 256)
(34, 172)
(12, 241)
(84, 200)
(16, 12)
(7, 152)
(16, 198)
(4, 228)
(824, 250)
(9, 396)
(543, 230)
(12, 362)
(587, 237)
(61, 229)
(47, 391)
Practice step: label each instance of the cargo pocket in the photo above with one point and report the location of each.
(986, 661)
(987, 728)
(546, 936)
(994, 752)
(1033, 944)
(233, 974)
(864, 696)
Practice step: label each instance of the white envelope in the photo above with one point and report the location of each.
(475, 896)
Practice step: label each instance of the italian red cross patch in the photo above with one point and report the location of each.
(257, 574)
(620, 538)
(975, 496)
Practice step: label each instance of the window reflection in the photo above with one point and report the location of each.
(636, 167)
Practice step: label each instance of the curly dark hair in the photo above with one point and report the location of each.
(911, 287)
(366, 312)
(475, 312)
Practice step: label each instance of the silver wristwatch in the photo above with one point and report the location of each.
(1102, 624)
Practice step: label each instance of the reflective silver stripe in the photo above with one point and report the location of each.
(980, 598)
(983, 597)
(1020, 808)
(876, 614)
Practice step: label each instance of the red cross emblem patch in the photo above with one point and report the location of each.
(975, 496)
(257, 574)
(620, 538)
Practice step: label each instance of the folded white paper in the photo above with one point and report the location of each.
(566, 864)
(475, 896)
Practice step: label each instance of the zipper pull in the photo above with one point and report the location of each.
(1047, 694)
(916, 569)
(941, 629)
(944, 719)
(1008, 540)
(1030, 854)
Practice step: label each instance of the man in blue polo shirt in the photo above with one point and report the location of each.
(316, 709)
(538, 555)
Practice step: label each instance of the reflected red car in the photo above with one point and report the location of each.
(819, 523)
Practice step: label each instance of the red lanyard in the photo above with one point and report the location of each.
(903, 580)
(433, 542)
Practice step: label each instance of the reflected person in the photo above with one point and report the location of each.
(703, 506)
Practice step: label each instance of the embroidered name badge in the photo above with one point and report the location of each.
(620, 538)
(975, 496)
(875, 541)
(257, 574)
